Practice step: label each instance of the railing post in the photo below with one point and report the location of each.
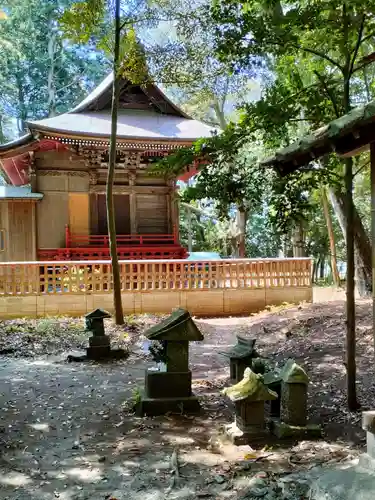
(67, 236)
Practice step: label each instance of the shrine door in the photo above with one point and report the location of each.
(122, 214)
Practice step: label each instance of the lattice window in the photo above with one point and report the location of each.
(2, 240)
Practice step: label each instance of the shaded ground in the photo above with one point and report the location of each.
(67, 430)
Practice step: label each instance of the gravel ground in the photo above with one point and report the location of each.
(67, 430)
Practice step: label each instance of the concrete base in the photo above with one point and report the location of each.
(102, 353)
(285, 431)
(160, 406)
(159, 385)
(239, 438)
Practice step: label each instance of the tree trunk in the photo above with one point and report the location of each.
(322, 267)
(190, 230)
(315, 265)
(22, 113)
(331, 237)
(241, 226)
(219, 111)
(119, 315)
(51, 90)
(363, 263)
(298, 240)
(2, 135)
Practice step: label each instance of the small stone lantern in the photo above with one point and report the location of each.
(168, 388)
(240, 357)
(293, 404)
(100, 346)
(249, 397)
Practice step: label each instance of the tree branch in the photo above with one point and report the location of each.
(367, 37)
(361, 168)
(328, 92)
(357, 45)
(362, 66)
(318, 54)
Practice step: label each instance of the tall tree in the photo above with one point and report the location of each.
(42, 75)
(329, 36)
(114, 31)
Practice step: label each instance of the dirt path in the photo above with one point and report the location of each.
(66, 430)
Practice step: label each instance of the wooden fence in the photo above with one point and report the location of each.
(231, 286)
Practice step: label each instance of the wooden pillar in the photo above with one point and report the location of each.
(133, 213)
(93, 213)
(372, 160)
(34, 233)
(133, 204)
(350, 287)
(175, 212)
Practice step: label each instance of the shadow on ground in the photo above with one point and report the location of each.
(67, 430)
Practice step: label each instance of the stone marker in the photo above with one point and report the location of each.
(367, 459)
(169, 387)
(293, 404)
(99, 343)
(240, 357)
(249, 397)
(273, 381)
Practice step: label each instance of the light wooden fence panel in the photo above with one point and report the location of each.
(212, 287)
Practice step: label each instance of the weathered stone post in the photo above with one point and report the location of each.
(293, 404)
(99, 342)
(249, 397)
(273, 381)
(169, 389)
(240, 357)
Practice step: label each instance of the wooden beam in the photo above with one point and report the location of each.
(132, 189)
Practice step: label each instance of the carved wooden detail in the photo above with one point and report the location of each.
(59, 173)
(93, 177)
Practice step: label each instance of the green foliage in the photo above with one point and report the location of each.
(40, 74)
(83, 20)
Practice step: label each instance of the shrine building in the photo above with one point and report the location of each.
(53, 206)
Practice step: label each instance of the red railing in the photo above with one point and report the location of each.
(98, 240)
(126, 253)
(129, 246)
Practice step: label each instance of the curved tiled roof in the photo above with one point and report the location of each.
(131, 123)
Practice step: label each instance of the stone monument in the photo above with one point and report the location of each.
(240, 357)
(293, 404)
(249, 396)
(168, 388)
(99, 343)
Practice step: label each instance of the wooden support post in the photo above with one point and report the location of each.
(133, 213)
(372, 157)
(133, 204)
(67, 236)
(350, 287)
